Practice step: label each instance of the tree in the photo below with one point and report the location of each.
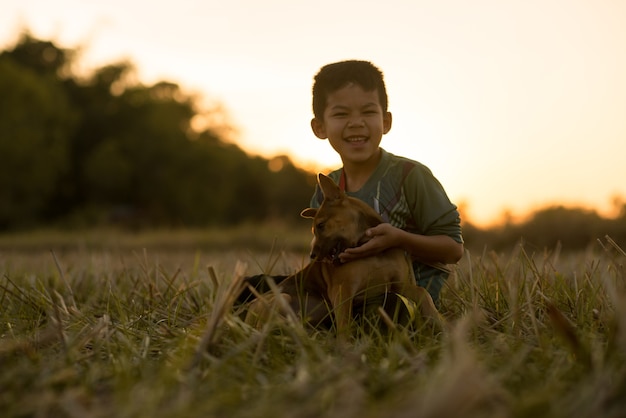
(87, 148)
(35, 125)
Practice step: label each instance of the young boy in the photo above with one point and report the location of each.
(350, 110)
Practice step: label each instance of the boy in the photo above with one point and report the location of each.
(350, 110)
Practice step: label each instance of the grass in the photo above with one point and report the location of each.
(129, 330)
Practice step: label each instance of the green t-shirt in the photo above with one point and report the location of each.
(409, 197)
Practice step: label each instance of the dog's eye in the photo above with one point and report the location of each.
(320, 226)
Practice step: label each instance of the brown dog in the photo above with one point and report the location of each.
(326, 283)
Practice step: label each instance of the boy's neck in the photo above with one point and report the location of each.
(357, 174)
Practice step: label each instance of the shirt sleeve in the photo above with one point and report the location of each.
(433, 212)
(317, 198)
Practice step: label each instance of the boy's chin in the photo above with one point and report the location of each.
(361, 156)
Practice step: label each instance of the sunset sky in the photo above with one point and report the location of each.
(514, 105)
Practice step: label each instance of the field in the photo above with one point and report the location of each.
(141, 325)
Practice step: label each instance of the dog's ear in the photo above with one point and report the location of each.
(371, 220)
(368, 217)
(308, 213)
(329, 188)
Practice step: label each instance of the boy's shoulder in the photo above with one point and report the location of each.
(400, 167)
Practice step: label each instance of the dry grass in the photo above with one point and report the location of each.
(116, 330)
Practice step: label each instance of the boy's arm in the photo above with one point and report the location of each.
(425, 248)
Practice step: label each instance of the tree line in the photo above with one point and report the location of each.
(568, 228)
(87, 149)
(102, 148)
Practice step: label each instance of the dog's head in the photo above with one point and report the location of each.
(339, 223)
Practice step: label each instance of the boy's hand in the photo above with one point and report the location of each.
(381, 237)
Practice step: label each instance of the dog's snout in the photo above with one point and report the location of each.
(314, 249)
(316, 252)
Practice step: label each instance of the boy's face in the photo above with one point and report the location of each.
(354, 123)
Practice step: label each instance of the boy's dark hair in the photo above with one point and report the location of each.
(332, 77)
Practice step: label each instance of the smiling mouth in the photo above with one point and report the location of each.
(356, 139)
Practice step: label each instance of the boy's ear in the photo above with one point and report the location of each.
(319, 129)
(387, 119)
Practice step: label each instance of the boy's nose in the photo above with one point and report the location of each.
(356, 122)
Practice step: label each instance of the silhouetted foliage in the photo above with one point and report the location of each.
(41, 57)
(36, 121)
(570, 228)
(103, 148)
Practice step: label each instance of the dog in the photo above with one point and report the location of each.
(326, 285)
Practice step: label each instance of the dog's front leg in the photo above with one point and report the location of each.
(342, 307)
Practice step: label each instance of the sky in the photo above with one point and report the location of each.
(514, 105)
